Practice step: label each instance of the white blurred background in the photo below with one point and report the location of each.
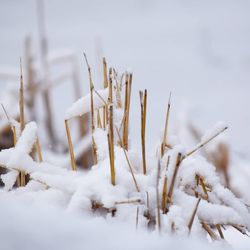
(199, 50)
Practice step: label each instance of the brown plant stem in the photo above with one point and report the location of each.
(91, 88)
(171, 188)
(129, 164)
(143, 102)
(111, 145)
(191, 221)
(164, 142)
(70, 145)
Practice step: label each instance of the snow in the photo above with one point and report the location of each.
(29, 226)
(9, 179)
(82, 106)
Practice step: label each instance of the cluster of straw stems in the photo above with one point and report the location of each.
(103, 118)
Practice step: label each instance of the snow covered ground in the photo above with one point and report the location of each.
(199, 50)
(46, 227)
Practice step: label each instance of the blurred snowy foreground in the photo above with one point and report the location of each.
(41, 227)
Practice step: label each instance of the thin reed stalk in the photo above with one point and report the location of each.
(70, 145)
(164, 190)
(111, 145)
(128, 84)
(38, 150)
(21, 98)
(191, 221)
(132, 201)
(21, 110)
(99, 121)
(143, 102)
(105, 85)
(202, 144)
(137, 217)
(209, 231)
(203, 187)
(218, 227)
(105, 73)
(110, 86)
(171, 188)
(91, 87)
(129, 164)
(164, 142)
(158, 197)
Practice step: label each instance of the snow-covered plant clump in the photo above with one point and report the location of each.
(175, 191)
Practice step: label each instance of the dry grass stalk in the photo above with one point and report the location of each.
(105, 109)
(200, 145)
(164, 142)
(118, 90)
(240, 228)
(105, 84)
(171, 188)
(99, 121)
(209, 231)
(137, 217)
(125, 139)
(104, 117)
(220, 157)
(191, 221)
(21, 110)
(129, 164)
(105, 73)
(203, 187)
(70, 145)
(143, 102)
(128, 84)
(164, 190)
(111, 145)
(220, 231)
(128, 201)
(110, 85)
(158, 197)
(21, 98)
(91, 87)
(14, 136)
(38, 150)
(101, 98)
